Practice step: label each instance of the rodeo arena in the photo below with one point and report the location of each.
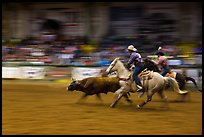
(66, 68)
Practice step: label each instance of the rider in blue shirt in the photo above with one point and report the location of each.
(136, 59)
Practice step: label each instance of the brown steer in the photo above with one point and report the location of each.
(96, 85)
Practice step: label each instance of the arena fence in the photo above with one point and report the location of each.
(66, 72)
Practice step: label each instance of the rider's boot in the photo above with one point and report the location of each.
(139, 88)
(141, 94)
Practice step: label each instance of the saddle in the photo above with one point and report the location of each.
(171, 74)
(146, 74)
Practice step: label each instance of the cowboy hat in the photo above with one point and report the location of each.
(132, 48)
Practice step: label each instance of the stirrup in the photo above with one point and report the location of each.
(139, 88)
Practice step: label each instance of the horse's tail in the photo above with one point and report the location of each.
(174, 85)
(194, 82)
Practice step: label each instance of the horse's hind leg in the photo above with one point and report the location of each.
(194, 82)
(164, 98)
(149, 98)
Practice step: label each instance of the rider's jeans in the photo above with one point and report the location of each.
(165, 70)
(136, 71)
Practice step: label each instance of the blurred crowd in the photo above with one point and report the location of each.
(49, 50)
(64, 52)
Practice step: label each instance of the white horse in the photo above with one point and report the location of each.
(152, 81)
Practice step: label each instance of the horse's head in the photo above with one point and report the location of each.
(150, 65)
(113, 66)
(73, 85)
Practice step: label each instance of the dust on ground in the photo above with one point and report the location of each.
(33, 108)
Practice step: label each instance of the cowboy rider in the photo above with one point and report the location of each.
(136, 59)
(163, 62)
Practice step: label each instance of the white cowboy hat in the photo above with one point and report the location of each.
(131, 47)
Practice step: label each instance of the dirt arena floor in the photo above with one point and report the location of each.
(33, 108)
